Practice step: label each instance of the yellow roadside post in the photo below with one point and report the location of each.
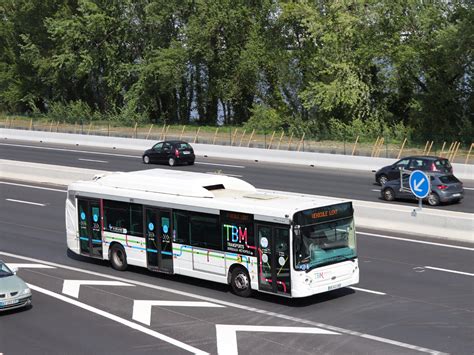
(455, 152)
(215, 136)
(289, 142)
(426, 147)
(242, 137)
(401, 149)
(149, 131)
(182, 132)
(301, 141)
(281, 137)
(233, 137)
(271, 140)
(469, 153)
(442, 149)
(355, 145)
(250, 139)
(429, 148)
(374, 147)
(197, 134)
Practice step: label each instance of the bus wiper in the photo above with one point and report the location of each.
(330, 261)
(334, 245)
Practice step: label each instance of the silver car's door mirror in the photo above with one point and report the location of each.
(14, 269)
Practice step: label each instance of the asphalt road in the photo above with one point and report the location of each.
(415, 296)
(349, 184)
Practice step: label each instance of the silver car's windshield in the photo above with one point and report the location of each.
(4, 270)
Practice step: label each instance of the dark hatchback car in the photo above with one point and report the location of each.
(445, 188)
(424, 163)
(170, 152)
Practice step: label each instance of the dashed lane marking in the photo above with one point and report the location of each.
(416, 241)
(450, 271)
(94, 160)
(368, 291)
(26, 202)
(32, 186)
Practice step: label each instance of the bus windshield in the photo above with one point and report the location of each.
(324, 243)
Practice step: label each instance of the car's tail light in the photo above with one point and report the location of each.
(442, 187)
(176, 153)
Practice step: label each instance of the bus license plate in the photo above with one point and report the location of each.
(333, 287)
(6, 303)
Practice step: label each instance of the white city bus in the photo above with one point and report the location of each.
(216, 228)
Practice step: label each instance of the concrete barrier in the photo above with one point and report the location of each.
(382, 216)
(462, 171)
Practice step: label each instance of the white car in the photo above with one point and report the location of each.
(14, 293)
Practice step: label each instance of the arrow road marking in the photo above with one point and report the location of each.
(227, 334)
(418, 184)
(142, 308)
(120, 320)
(29, 266)
(71, 287)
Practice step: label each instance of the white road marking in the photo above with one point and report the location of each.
(26, 202)
(117, 319)
(447, 270)
(73, 150)
(236, 305)
(416, 241)
(94, 161)
(226, 335)
(30, 266)
(368, 291)
(71, 287)
(226, 165)
(468, 188)
(32, 186)
(214, 173)
(142, 308)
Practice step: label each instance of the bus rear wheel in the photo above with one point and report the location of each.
(118, 257)
(240, 282)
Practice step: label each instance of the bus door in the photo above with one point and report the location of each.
(274, 259)
(90, 230)
(159, 247)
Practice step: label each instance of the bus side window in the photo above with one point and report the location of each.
(181, 227)
(205, 231)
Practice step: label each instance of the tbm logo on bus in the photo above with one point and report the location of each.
(236, 234)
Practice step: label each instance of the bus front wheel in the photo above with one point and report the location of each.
(240, 282)
(118, 257)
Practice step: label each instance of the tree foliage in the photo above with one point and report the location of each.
(319, 66)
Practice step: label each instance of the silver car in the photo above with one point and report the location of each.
(14, 293)
(445, 188)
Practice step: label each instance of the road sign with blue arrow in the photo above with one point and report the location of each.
(420, 184)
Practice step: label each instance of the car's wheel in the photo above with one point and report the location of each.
(191, 162)
(433, 199)
(171, 161)
(382, 179)
(146, 159)
(240, 282)
(388, 194)
(118, 257)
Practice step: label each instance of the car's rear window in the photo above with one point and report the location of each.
(183, 146)
(443, 163)
(446, 179)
